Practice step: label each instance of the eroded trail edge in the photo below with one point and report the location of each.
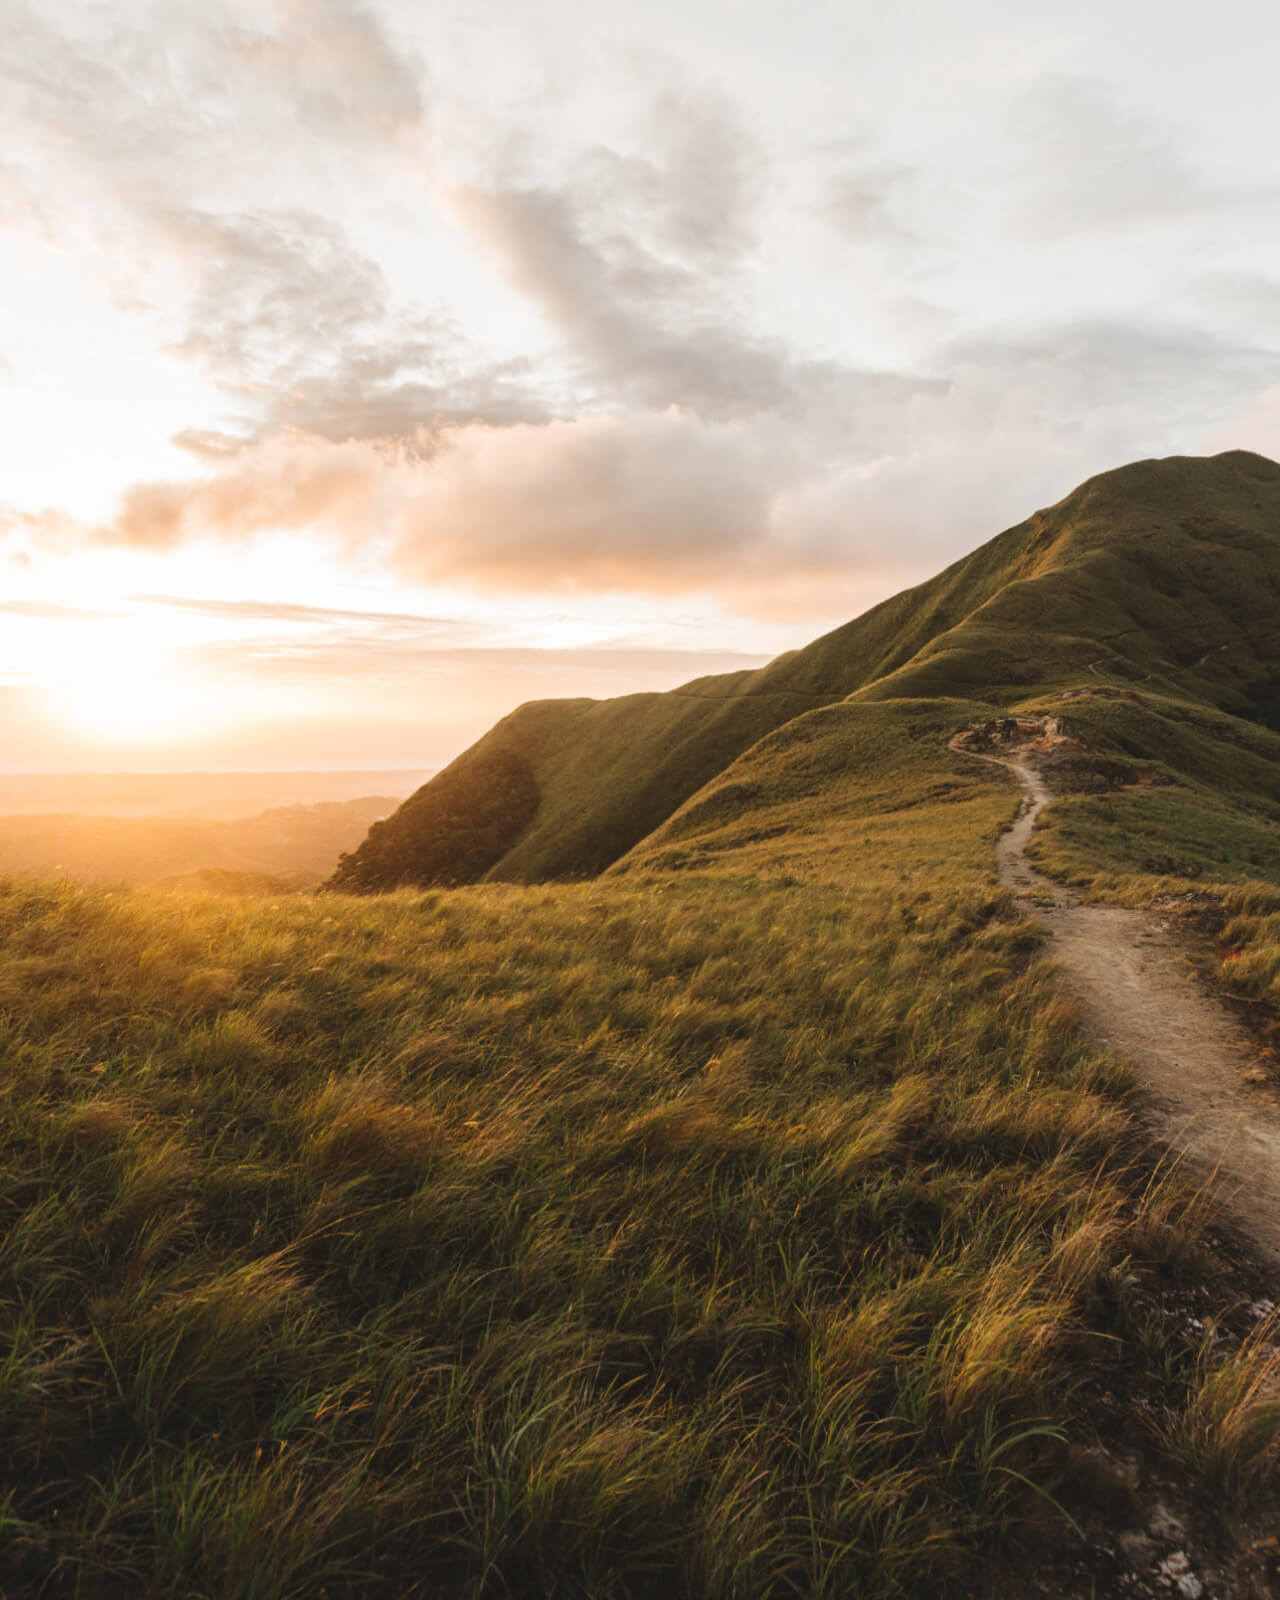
(1138, 993)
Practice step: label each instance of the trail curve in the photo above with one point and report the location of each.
(1137, 991)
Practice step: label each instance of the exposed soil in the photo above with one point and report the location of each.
(1132, 975)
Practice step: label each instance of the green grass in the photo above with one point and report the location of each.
(695, 1236)
(1162, 575)
(852, 793)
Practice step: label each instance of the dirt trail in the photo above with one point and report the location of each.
(1137, 991)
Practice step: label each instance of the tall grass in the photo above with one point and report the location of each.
(707, 1238)
(1227, 1433)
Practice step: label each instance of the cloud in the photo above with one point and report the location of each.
(288, 481)
(411, 665)
(300, 328)
(25, 532)
(167, 140)
(670, 430)
(345, 76)
(862, 195)
(274, 290)
(1088, 164)
(280, 611)
(1124, 381)
(633, 255)
(652, 501)
(208, 444)
(182, 92)
(1255, 427)
(659, 501)
(645, 329)
(696, 191)
(769, 515)
(49, 612)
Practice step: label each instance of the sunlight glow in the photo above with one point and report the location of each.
(137, 697)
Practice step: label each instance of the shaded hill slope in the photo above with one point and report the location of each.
(1164, 574)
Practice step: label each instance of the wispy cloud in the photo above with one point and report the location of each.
(279, 611)
(48, 611)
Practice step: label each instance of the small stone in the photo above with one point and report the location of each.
(1176, 1569)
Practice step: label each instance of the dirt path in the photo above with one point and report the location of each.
(1138, 993)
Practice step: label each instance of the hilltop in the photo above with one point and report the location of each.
(1149, 595)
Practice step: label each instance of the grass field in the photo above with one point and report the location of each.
(692, 1235)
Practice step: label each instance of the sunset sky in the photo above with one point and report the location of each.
(368, 369)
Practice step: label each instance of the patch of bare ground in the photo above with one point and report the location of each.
(1133, 976)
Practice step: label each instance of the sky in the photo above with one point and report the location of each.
(369, 369)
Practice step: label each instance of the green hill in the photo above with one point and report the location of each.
(1163, 576)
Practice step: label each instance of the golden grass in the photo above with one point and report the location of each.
(725, 1236)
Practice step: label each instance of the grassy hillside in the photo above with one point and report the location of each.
(1207, 806)
(295, 846)
(698, 1236)
(851, 792)
(1164, 574)
(1164, 788)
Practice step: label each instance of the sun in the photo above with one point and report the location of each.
(133, 694)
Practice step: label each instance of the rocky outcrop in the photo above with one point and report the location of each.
(1018, 733)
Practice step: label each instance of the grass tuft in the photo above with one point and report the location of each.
(1227, 1433)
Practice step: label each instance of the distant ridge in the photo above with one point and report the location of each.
(214, 796)
(1161, 577)
(296, 846)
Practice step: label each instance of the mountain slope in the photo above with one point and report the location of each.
(1164, 574)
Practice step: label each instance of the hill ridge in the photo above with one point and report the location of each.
(1168, 548)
